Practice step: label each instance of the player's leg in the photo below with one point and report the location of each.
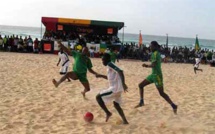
(71, 75)
(120, 111)
(84, 81)
(158, 79)
(64, 70)
(86, 88)
(195, 69)
(102, 104)
(141, 91)
(199, 69)
(67, 77)
(167, 98)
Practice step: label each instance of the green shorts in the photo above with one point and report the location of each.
(82, 77)
(157, 79)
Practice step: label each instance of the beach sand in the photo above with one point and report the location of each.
(30, 104)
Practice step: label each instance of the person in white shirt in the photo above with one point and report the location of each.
(198, 61)
(72, 45)
(117, 85)
(64, 60)
(91, 52)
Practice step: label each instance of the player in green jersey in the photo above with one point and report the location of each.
(155, 77)
(113, 55)
(82, 63)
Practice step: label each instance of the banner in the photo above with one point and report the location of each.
(110, 30)
(47, 47)
(60, 27)
(96, 47)
(65, 43)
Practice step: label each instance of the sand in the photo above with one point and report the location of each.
(30, 104)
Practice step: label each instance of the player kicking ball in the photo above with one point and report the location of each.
(82, 64)
(117, 84)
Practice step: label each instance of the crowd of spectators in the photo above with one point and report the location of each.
(175, 54)
(88, 38)
(15, 43)
(125, 51)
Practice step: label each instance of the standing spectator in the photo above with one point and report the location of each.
(5, 41)
(36, 45)
(25, 46)
(30, 44)
(20, 44)
(1, 43)
(10, 44)
(15, 42)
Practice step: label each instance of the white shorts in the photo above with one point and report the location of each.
(196, 66)
(109, 96)
(64, 69)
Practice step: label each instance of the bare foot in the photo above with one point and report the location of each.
(83, 93)
(139, 105)
(125, 122)
(69, 80)
(108, 116)
(54, 82)
(175, 109)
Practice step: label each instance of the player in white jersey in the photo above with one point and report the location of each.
(196, 66)
(117, 85)
(64, 60)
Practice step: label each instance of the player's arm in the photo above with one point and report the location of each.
(68, 51)
(96, 74)
(101, 76)
(58, 61)
(149, 66)
(121, 75)
(92, 71)
(154, 59)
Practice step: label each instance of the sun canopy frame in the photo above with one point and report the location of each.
(82, 25)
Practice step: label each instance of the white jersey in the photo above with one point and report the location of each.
(64, 58)
(198, 60)
(113, 77)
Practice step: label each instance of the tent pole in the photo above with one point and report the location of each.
(123, 35)
(41, 31)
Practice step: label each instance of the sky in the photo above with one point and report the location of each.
(178, 18)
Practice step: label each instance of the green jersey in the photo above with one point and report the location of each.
(156, 57)
(81, 62)
(113, 56)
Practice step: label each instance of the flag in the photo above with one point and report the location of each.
(197, 47)
(140, 39)
(167, 40)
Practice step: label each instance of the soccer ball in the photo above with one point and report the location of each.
(88, 117)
